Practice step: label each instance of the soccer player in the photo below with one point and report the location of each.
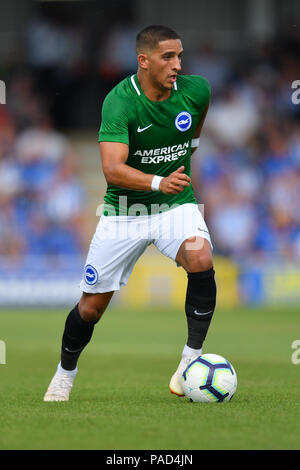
(151, 123)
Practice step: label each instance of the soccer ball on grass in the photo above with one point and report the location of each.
(209, 378)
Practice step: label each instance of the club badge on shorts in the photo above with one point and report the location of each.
(90, 274)
(183, 121)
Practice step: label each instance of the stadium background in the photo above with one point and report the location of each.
(58, 59)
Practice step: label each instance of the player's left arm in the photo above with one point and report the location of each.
(199, 128)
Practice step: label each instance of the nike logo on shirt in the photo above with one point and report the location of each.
(144, 128)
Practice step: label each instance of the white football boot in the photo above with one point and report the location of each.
(60, 386)
(175, 384)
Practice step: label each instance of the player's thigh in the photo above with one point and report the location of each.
(184, 237)
(111, 257)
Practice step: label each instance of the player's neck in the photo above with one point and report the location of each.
(151, 90)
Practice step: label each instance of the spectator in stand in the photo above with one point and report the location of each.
(41, 197)
(11, 240)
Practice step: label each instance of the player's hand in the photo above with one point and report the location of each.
(175, 182)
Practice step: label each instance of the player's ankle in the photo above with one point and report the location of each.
(62, 371)
(187, 351)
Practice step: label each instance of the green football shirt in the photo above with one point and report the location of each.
(159, 135)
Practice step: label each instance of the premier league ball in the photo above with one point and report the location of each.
(209, 378)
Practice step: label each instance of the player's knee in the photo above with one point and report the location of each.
(199, 261)
(90, 313)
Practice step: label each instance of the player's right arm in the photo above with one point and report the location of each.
(117, 173)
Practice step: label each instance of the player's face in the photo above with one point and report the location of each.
(164, 63)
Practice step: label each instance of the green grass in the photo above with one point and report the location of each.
(121, 400)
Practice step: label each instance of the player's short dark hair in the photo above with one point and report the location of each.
(149, 37)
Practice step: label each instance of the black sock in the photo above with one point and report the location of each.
(76, 336)
(200, 305)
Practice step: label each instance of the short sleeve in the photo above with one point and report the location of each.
(199, 90)
(202, 91)
(206, 91)
(114, 123)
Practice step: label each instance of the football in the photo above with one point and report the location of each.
(209, 378)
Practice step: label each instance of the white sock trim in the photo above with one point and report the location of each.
(62, 371)
(187, 351)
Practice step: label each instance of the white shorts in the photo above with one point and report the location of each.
(119, 241)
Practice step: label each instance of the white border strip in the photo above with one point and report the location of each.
(2, 92)
(134, 84)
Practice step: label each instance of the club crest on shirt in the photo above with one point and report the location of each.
(90, 274)
(183, 121)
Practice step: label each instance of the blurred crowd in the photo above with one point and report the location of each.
(246, 170)
(41, 196)
(248, 164)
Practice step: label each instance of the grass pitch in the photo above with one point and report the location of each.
(120, 399)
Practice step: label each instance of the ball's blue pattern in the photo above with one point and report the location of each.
(211, 372)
